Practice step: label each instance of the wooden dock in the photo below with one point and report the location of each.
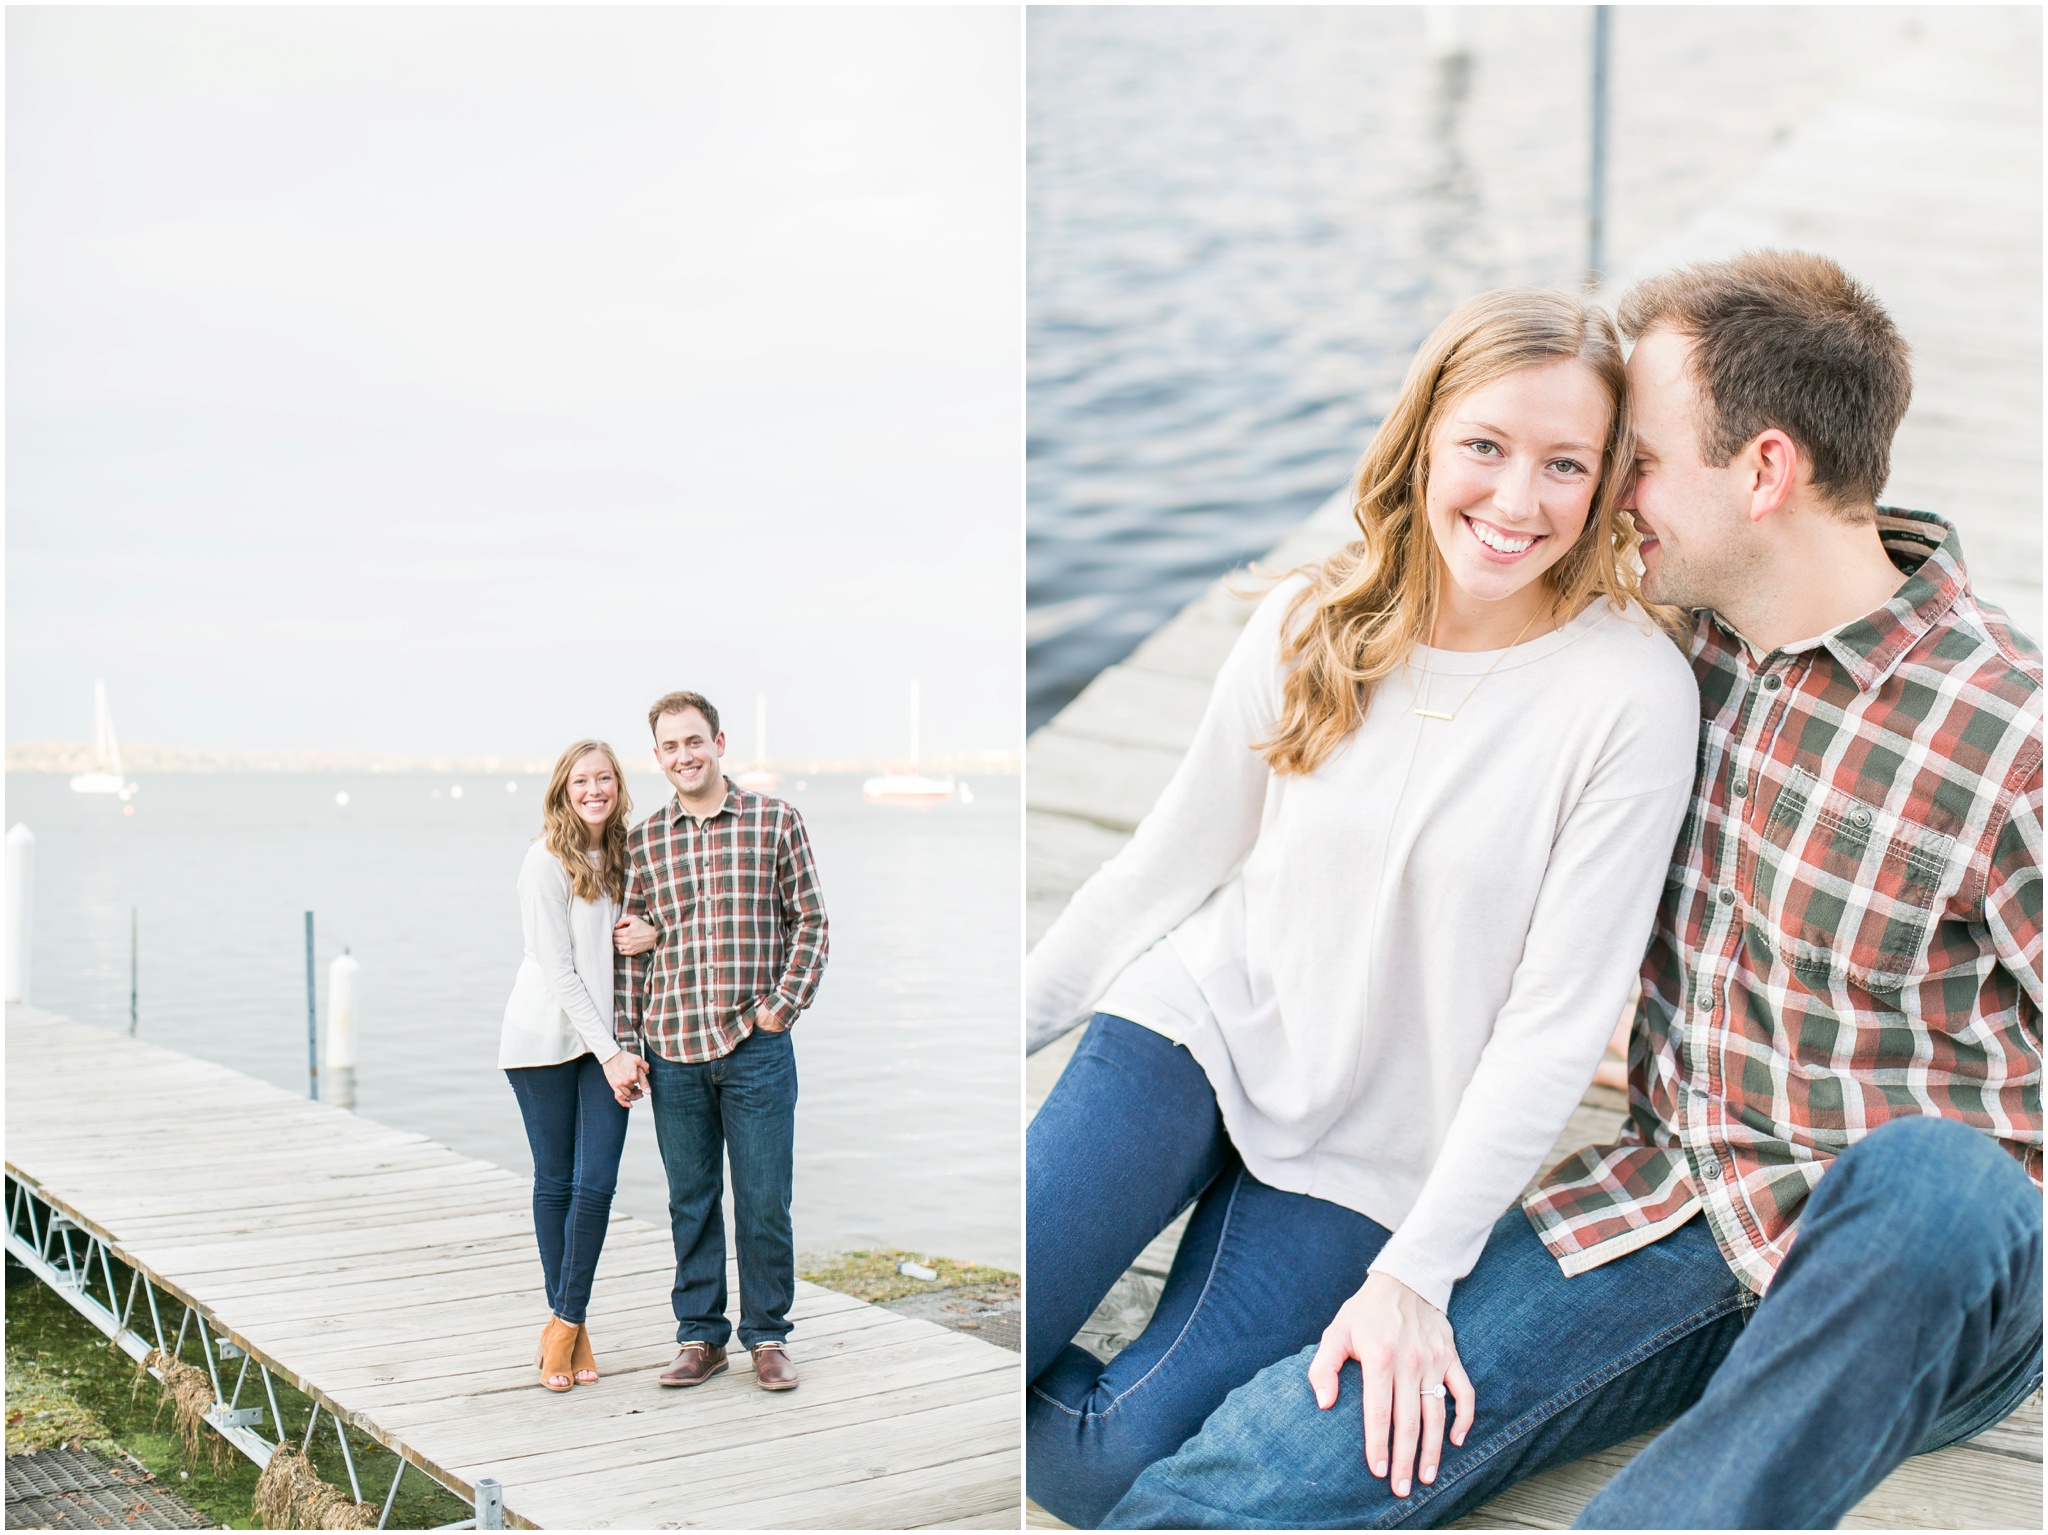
(396, 1283)
(1926, 185)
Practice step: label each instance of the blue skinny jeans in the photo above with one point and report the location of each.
(576, 1130)
(1128, 1138)
(1906, 1317)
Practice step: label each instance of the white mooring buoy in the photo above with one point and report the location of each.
(338, 1069)
(21, 880)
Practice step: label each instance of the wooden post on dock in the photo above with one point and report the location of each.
(21, 872)
(134, 968)
(341, 1029)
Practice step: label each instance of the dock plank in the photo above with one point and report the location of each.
(397, 1282)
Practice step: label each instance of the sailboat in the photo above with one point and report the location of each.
(106, 776)
(911, 787)
(760, 777)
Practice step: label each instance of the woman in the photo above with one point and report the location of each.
(1353, 972)
(571, 1078)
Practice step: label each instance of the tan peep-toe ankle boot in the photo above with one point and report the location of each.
(583, 1361)
(557, 1343)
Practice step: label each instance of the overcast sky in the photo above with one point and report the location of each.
(458, 380)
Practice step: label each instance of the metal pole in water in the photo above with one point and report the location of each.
(134, 966)
(1596, 192)
(21, 880)
(341, 1030)
(312, 1020)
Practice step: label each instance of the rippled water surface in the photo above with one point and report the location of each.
(907, 1129)
(1242, 221)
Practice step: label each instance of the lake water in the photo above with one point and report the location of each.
(1243, 220)
(908, 1129)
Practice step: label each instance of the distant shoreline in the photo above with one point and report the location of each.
(77, 757)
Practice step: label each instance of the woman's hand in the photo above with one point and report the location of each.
(1404, 1348)
(630, 935)
(627, 1074)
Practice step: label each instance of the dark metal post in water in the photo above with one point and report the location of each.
(134, 966)
(1596, 192)
(312, 1021)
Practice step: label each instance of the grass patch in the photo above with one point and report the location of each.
(43, 1412)
(60, 1365)
(873, 1276)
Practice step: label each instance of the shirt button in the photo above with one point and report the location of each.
(1859, 817)
(1739, 788)
(1772, 683)
(1710, 1168)
(1707, 998)
(1727, 896)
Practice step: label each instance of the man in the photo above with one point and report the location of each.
(1817, 1245)
(725, 878)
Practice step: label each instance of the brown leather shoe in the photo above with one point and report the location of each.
(772, 1369)
(696, 1364)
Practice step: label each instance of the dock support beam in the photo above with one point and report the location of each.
(39, 1238)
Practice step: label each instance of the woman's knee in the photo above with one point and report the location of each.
(1083, 1452)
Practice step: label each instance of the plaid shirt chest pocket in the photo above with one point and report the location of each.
(1844, 889)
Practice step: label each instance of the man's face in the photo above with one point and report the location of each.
(688, 752)
(1694, 517)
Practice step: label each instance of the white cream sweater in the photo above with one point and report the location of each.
(1399, 970)
(561, 1002)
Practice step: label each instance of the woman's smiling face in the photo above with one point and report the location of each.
(1513, 467)
(593, 787)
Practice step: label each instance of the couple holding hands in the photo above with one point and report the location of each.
(712, 908)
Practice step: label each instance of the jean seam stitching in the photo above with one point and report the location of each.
(1072, 1412)
(1208, 1283)
(575, 1197)
(1538, 1415)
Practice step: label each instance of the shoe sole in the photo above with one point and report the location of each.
(722, 1364)
(787, 1385)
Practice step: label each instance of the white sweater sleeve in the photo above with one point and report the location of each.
(1199, 831)
(544, 897)
(1584, 947)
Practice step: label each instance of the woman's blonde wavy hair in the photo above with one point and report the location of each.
(1368, 605)
(567, 834)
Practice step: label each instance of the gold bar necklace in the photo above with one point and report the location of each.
(1437, 714)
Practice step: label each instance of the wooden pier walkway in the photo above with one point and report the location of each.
(1926, 184)
(395, 1281)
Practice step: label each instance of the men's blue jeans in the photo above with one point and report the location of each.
(576, 1129)
(741, 1106)
(1907, 1316)
(1128, 1138)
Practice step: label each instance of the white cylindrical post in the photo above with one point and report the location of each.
(21, 882)
(340, 1072)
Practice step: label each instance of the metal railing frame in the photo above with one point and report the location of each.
(39, 1237)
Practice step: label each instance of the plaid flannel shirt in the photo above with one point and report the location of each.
(1851, 927)
(735, 900)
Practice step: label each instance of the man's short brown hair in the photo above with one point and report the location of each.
(1787, 339)
(678, 703)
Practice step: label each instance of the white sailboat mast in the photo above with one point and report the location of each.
(760, 730)
(106, 748)
(913, 724)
